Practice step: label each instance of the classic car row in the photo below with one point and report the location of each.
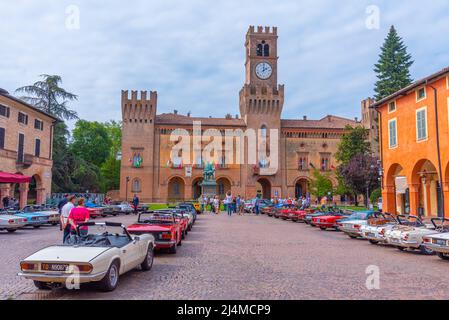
(30, 216)
(106, 250)
(404, 232)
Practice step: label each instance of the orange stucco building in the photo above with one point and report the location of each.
(414, 145)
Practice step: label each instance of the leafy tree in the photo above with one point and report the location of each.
(360, 173)
(110, 169)
(393, 67)
(375, 195)
(46, 95)
(352, 143)
(320, 184)
(91, 142)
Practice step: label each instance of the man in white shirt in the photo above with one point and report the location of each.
(65, 211)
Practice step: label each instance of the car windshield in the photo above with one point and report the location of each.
(100, 235)
(156, 218)
(359, 216)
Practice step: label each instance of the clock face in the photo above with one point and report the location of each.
(264, 70)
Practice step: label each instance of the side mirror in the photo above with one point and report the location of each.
(136, 239)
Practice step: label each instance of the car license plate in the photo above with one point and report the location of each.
(441, 242)
(54, 267)
(318, 220)
(370, 235)
(394, 240)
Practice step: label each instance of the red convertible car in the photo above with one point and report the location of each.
(329, 221)
(164, 226)
(292, 213)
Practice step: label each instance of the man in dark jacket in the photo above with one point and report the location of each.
(135, 203)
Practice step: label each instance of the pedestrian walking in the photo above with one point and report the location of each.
(238, 202)
(64, 218)
(135, 203)
(79, 215)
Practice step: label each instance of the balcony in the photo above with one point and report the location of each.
(26, 162)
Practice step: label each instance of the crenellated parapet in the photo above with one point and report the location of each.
(139, 108)
(261, 100)
(273, 31)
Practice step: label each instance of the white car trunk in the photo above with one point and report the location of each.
(67, 254)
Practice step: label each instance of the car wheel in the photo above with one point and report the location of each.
(148, 262)
(172, 250)
(323, 228)
(443, 256)
(373, 241)
(12, 230)
(352, 237)
(104, 215)
(180, 243)
(114, 214)
(54, 224)
(110, 280)
(183, 235)
(36, 227)
(400, 248)
(41, 285)
(425, 251)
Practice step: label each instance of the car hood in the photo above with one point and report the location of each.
(362, 222)
(8, 217)
(67, 254)
(328, 217)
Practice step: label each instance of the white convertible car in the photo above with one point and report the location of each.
(105, 253)
(439, 242)
(409, 233)
(11, 223)
(377, 227)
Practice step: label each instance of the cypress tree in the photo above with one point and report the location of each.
(393, 68)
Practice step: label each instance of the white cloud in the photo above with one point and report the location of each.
(192, 52)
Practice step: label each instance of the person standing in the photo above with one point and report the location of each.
(135, 203)
(63, 202)
(5, 202)
(216, 205)
(64, 218)
(257, 206)
(238, 201)
(228, 203)
(79, 215)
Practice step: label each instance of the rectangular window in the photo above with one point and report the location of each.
(23, 118)
(392, 106)
(421, 94)
(38, 124)
(421, 124)
(37, 148)
(4, 111)
(302, 162)
(20, 154)
(392, 133)
(2, 138)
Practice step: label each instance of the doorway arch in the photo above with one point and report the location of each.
(176, 189)
(223, 187)
(263, 188)
(196, 188)
(301, 188)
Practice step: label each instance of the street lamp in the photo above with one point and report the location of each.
(126, 189)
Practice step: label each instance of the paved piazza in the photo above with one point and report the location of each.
(248, 257)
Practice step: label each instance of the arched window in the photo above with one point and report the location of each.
(266, 50)
(136, 186)
(259, 50)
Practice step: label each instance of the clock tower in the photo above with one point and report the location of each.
(261, 103)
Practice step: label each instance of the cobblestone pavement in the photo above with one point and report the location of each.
(249, 257)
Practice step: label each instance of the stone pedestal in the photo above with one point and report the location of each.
(209, 188)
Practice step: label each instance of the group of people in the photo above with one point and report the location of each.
(231, 204)
(10, 202)
(73, 213)
(303, 202)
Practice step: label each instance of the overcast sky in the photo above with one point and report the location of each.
(192, 51)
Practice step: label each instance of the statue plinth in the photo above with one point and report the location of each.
(209, 185)
(209, 188)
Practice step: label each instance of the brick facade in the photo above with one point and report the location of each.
(303, 144)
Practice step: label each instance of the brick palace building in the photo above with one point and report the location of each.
(148, 170)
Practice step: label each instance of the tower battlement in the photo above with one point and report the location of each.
(262, 30)
(137, 108)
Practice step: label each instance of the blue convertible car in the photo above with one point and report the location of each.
(34, 219)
